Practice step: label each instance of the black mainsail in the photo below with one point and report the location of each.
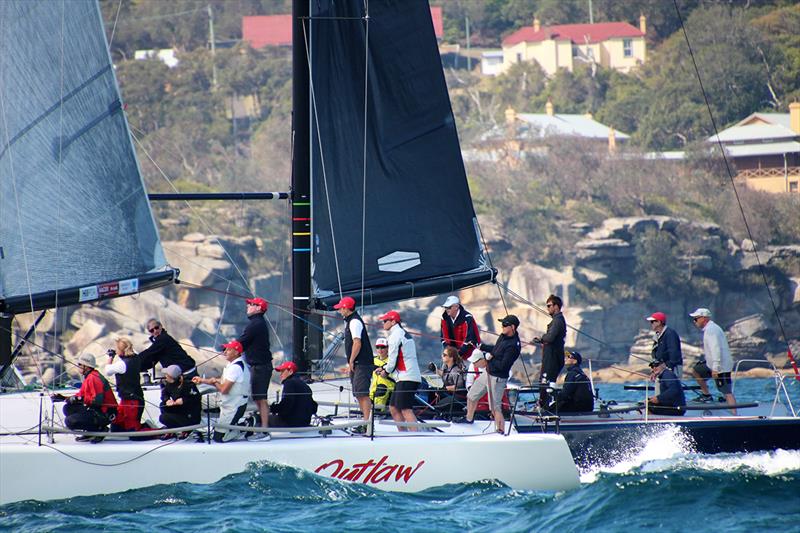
(387, 180)
(75, 224)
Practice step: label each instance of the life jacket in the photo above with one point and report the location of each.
(381, 388)
(456, 333)
(240, 391)
(129, 385)
(96, 393)
(365, 354)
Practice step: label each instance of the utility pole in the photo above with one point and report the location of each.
(469, 58)
(591, 15)
(212, 40)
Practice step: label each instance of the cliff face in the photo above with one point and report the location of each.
(607, 316)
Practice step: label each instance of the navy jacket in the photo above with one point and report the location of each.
(504, 353)
(668, 348)
(255, 341)
(167, 351)
(297, 404)
(577, 395)
(671, 390)
(553, 340)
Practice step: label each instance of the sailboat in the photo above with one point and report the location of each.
(376, 173)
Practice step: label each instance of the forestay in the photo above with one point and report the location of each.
(403, 183)
(75, 224)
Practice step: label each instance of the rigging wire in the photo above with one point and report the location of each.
(364, 153)
(761, 268)
(114, 28)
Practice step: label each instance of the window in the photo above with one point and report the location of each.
(519, 57)
(792, 186)
(627, 47)
(574, 51)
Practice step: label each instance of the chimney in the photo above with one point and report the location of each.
(511, 116)
(588, 115)
(536, 24)
(794, 117)
(612, 141)
(548, 108)
(642, 23)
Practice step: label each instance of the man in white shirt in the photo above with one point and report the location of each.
(717, 362)
(234, 388)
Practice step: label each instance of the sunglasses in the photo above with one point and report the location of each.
(154, 329)
(382, 347)
(387, 320)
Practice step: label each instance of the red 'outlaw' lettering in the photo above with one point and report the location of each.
(369, 471)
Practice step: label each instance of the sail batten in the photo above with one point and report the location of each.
(419, 233)
(74, 215)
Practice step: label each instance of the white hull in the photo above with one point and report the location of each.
(391, 461)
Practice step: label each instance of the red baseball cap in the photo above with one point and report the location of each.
(261, 302)
(236, 345)
(346, 302)
(391, 315)
(661, 317)
(286, 365)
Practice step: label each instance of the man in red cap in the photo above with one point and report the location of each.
(403, 367)
(234, 389)
(358, 351)
(667, 344)
(255, 341)
(297, 404)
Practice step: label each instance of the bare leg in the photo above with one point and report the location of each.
(409, 416)
(263, 411)
(731, 401)
(499, 419)
(397, 416)
(365, 405)
(700, 381)
(471, 407)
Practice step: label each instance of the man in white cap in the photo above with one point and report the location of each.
(95, 404)
(717, 362)
(459, 329)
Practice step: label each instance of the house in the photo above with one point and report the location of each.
(615, 45)
(276, 30)
(492, 62)
(165, 55)
(524, 135)
(765, 149)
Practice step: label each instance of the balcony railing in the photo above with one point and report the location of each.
(769, 172)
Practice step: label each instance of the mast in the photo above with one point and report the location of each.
(306, 340)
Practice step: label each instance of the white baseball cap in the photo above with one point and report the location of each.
(700, 311)
(476, 356)
(451, 300)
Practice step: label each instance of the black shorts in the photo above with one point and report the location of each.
(260, 376)
(403, 395)
(361, 380)
(723, 379)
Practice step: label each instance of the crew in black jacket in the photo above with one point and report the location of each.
(255, 341)
(166, 351)
(576, 396)
(552, 346)
(297, 404)
(671, 400)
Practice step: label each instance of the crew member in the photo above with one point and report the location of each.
(403, 367)
(124, 364)
(166, 351)
(576, 396)
(95, 406)
(255, 341)
(717, 362)
(552, 346)
(234, 388)
(358, 351)
(671, 400)
(381, 388)
(459, 328)
(180, 400)
(297, 403)
(667, 345)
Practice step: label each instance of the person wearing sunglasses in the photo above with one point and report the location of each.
(552, 346)
(381, 387)
(165, 351)
(403, 367)
(716, 362)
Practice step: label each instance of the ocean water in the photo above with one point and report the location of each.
(666, 486)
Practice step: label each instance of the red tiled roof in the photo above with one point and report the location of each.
(577, 33)
(438, 25)
(272, 30)
(276, 30)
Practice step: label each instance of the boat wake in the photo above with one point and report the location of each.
(670, 450)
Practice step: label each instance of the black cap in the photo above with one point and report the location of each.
(575, 355)
(510, 320)
(654, 363)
